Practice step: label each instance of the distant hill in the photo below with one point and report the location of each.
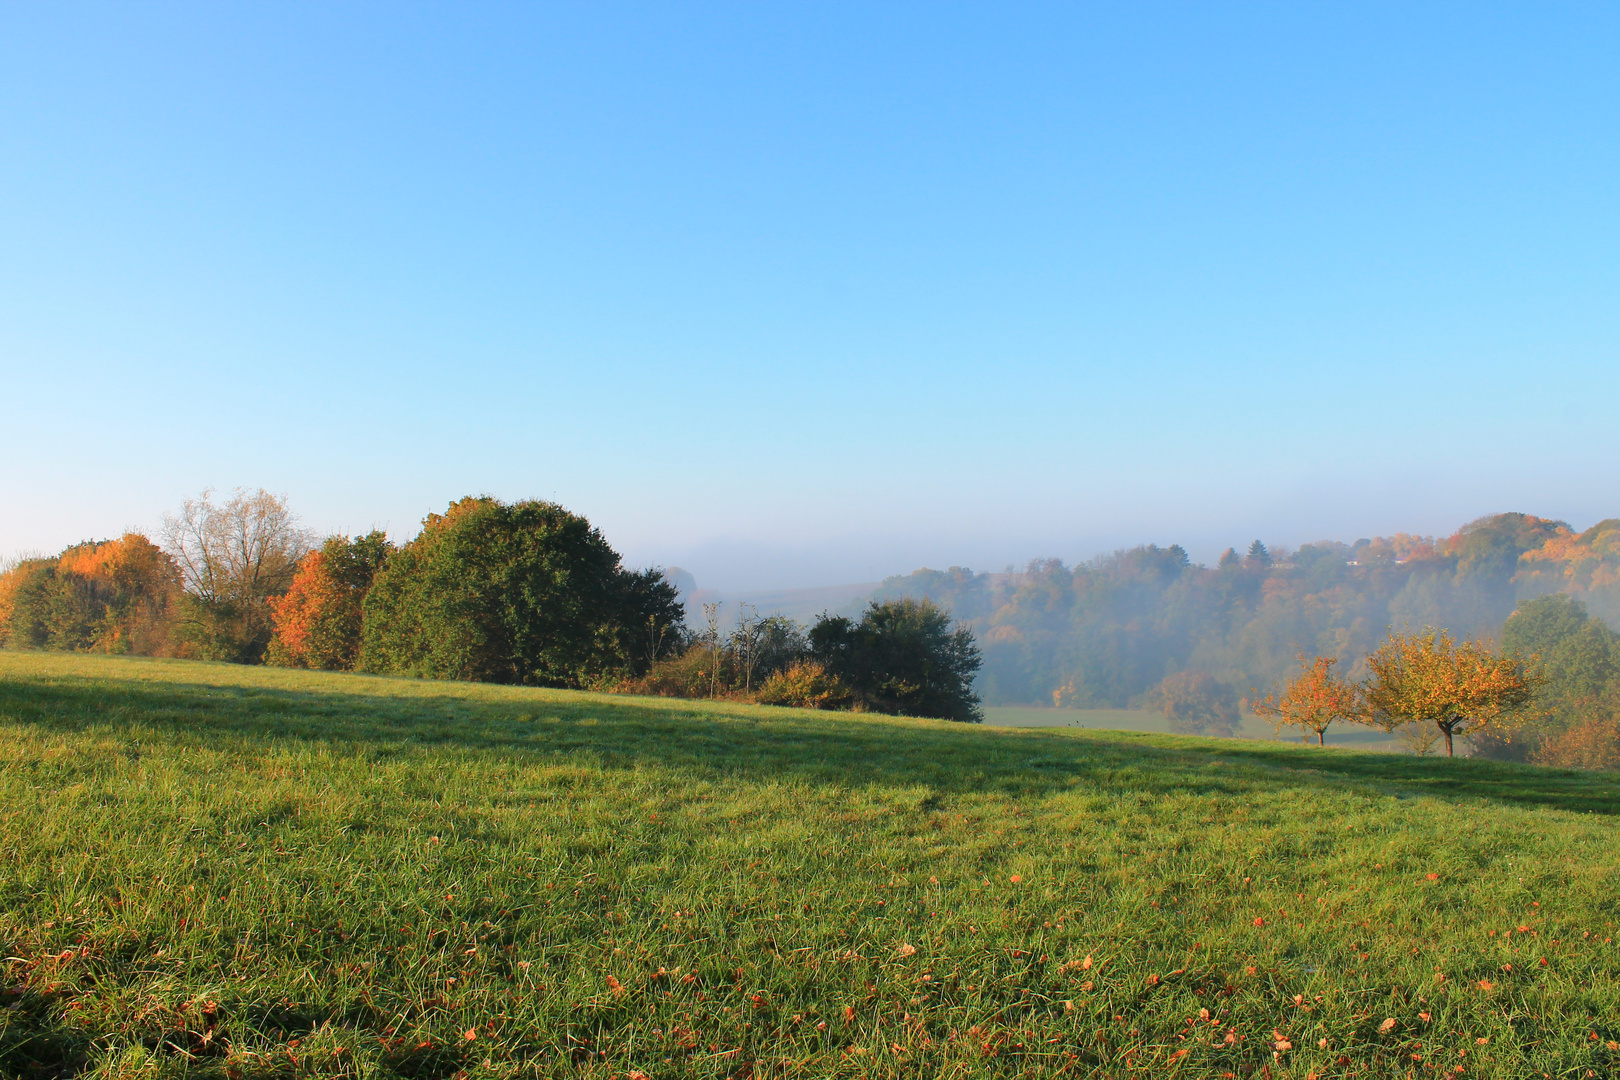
(1103, 633)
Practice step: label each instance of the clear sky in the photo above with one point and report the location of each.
(803, 294)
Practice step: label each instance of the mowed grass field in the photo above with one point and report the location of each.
(216, 871)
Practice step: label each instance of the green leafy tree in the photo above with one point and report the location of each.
(904, 656)
(34, 594)
(522, 593)
(1578, 657)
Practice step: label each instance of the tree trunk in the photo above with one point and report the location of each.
(1445, 729)
(1321, 739)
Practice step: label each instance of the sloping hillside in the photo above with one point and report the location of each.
(223, 871)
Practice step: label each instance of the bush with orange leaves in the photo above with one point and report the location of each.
(687, 675)
(1592, 742)
(804, 685)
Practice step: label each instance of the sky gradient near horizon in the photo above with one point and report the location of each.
(799, 294)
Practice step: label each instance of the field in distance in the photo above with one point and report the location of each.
(219, 871)
(1253, 727)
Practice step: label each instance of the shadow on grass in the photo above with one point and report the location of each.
(35, 1042)
(823, 748)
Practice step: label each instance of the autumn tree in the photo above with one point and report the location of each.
(1459, 687)
(1312, 701)
(318, 620)
(234, 557)
(117, 596)
(1197, 703)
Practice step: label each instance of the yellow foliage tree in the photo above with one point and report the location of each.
(1459, 687)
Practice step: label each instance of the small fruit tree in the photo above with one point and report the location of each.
(1312, 701)
(1460, 687)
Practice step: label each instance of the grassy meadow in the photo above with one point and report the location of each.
(1145, 720)
(218, 871)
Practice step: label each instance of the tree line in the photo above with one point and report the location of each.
(526, 593)
(1147, 627)
(901, 656)
(531, 593)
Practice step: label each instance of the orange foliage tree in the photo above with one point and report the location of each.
(318, 620)
(1429, 678)
(1312, 701)
(114, 596)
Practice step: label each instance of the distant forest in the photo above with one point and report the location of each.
(1106, 632)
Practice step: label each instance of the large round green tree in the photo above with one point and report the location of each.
(521, 593)
(903, 657)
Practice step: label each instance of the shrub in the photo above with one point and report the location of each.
(804, 685)
(1197, 703)
(903, 657)
(688, 675)
(1593, 743)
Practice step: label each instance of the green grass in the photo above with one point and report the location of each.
(1252, 727)
(209, 870)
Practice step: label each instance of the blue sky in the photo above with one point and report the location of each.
(795, 295)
